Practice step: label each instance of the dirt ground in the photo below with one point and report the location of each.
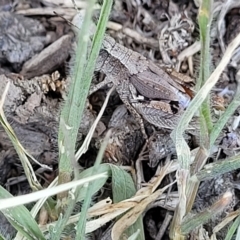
(36, 45)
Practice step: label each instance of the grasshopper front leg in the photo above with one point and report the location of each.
(95, 88)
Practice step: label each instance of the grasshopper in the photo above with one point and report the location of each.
(147, 91)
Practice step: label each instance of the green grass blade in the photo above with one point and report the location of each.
(204, 21)
(218, 168)
(21, 219)
(181, 145)
(233, 229)
(2, 237)
(97, 185)
(81, 226)
(96, 46)
(72, 111)
(123, 188)
(194, 221)
(225, 116)
(98, 38)
(122, 184)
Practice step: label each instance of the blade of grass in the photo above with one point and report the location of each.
(57, 229)
(91, 131)
(2, 237)
(98, 185)
(96, 45)
(177, 134)
(80, 194)
(29, 172)
(218, 168)
(81, 226)
(204, 21)
(72, 111)
(225, 116)
(195, 221)
(182, 149)
(135, 235)
(20, 218)
(233, 229)
(31, 197)
(123, 188)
